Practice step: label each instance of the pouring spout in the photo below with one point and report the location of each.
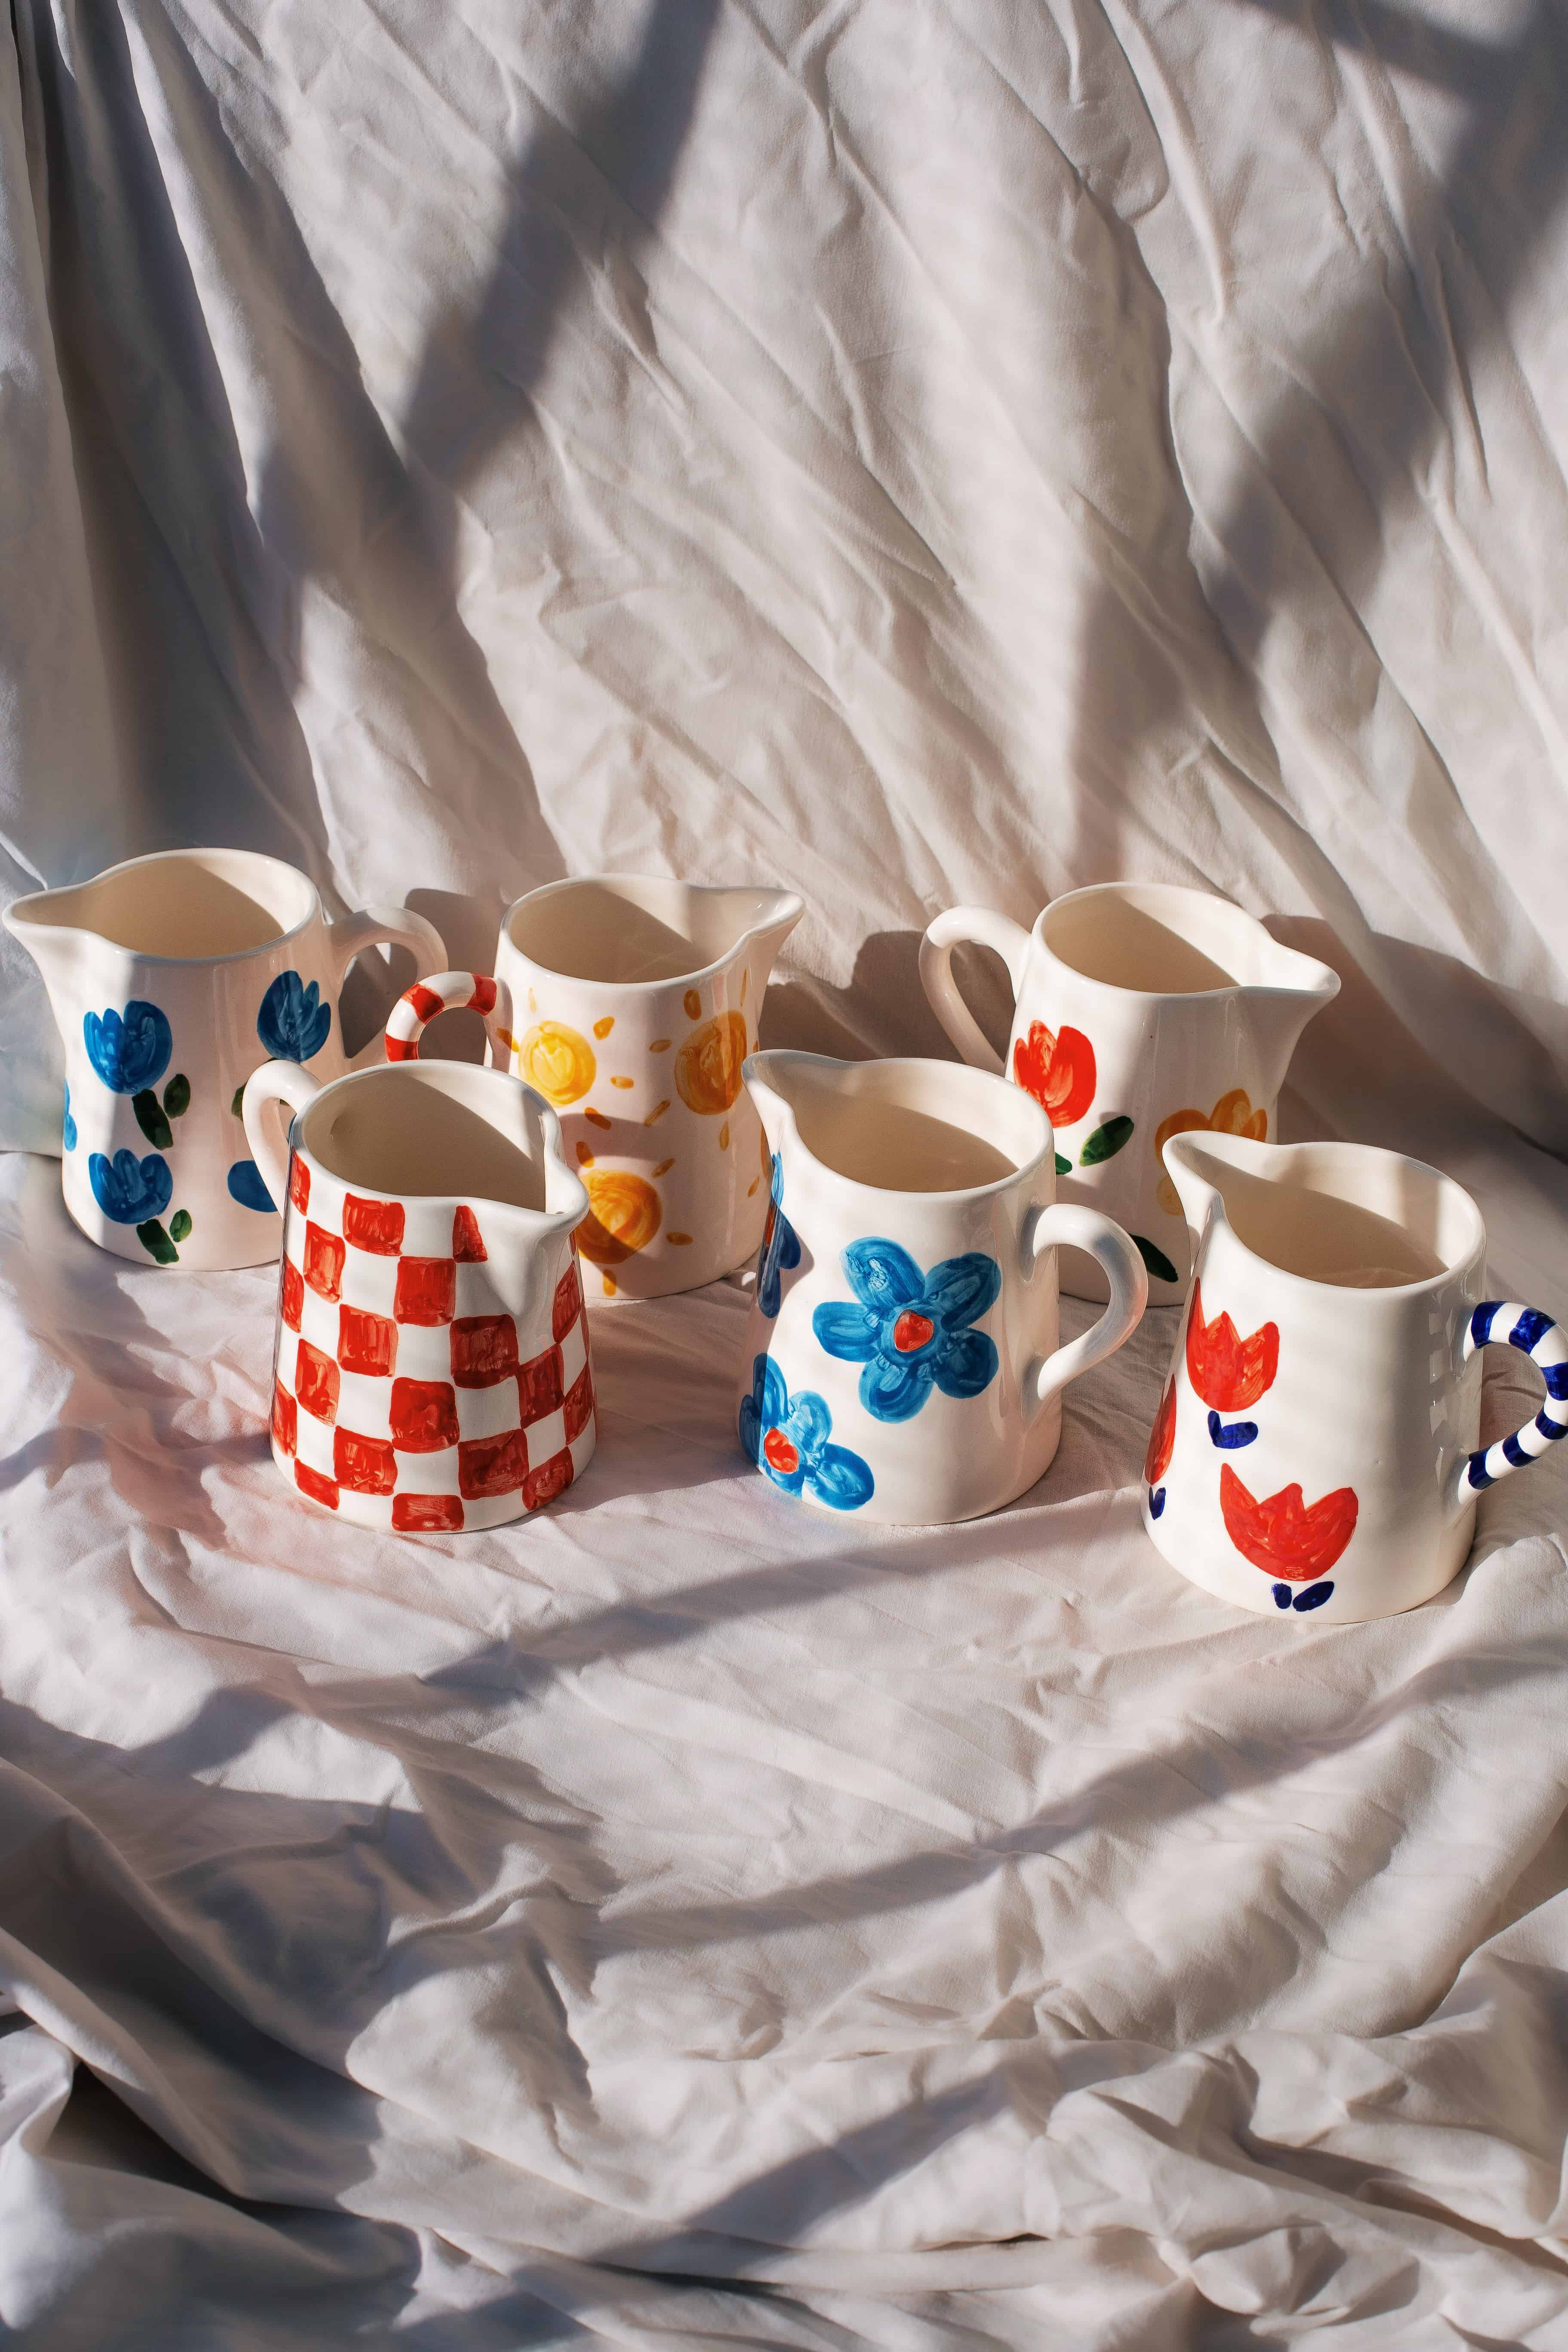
(1292, 988)
(771, 1080)
(46, 923)
(766, 920)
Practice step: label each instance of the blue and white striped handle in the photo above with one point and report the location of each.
(1494, 1322)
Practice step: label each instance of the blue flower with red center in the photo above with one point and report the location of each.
(787, 1436)
(911, 1330)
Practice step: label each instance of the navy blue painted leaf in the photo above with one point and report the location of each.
(1231, 1435)
(1314, 1596)
(1156, 1501)
(244, 1185)
(293, 1023)
(129, 1051)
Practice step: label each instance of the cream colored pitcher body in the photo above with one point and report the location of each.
(1143, 1011)
(171, 978)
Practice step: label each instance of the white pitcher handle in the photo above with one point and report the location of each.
(1504, 1322)
(451, 992)
(1011, 942)
(274, 1082)
(1064, 1225)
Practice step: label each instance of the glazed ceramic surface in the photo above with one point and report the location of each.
(901, 1359)
(171, 978)
(431, 1370)
(1142, 1011)
(1316, 1453)
(630, 1004)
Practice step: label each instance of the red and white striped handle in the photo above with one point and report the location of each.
(451, 992)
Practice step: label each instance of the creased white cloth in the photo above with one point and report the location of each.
(913, 453)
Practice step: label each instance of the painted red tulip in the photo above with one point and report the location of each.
(1162, 1437)
(1227, 1371)
(1058, 1071)
(1284, 1535)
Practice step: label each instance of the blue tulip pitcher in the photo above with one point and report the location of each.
(171, 978)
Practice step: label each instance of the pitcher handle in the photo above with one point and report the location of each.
(987, 929)
(451, 992)
(274, 1082)
(1499, 1322)
(391, 926)
(1067, 1225)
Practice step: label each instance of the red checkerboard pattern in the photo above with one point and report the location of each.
(405, 1393)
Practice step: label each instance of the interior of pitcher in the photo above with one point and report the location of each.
(1345, 1214)
(628, 932)
(185, 904)
(912, 1126)
(429, 1130)
(1161, 940)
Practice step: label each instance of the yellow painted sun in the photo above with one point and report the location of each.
(624, 1216)
(559, 1061)
(708, 1067)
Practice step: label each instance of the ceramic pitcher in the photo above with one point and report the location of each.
(170, 978)
(1143, 1011)
(431, 1367)
(901, 1359)
(630, 1003)
(1317, 1449)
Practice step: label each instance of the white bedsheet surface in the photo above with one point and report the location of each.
(917, 454)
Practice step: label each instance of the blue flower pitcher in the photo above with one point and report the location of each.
(902, 1361)
(171, 978)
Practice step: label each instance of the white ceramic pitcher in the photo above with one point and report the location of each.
(901, 1359)
(1143, 1011)
(630, 1003)
(1317, 1449)
(170, 978)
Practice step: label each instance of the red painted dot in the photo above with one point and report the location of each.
(911, 1331)
(780, 1454)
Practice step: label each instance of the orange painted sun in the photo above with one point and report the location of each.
(624, 1216)
(708, 1067)
(559, 1061)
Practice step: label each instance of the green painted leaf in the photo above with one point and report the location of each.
(1064, 1167)
(180, 1226)
(177, 1095)
(237, 1104)
(156, 1242)
(1158, 1264)
(1105, 1142)
(150, 1120)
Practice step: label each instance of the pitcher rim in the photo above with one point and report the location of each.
(1044, 1156)
(1186, 995)
(1450, 1271)
(422, 1071)
(790, 899)
(160, 856)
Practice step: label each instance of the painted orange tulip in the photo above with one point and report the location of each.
(1228, 1371)
(1284, 1535)
(1058, 1071)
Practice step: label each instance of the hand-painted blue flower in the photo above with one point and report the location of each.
(128, 1191)
(911, 1329)
(246, 1186)
(787, 1439)
(293, 1023)
(130, 1051)
(781, 1247)
(67, 1126)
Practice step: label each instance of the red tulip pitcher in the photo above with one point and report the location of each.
(1143, 1012)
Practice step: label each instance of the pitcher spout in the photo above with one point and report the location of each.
(1292, 988)
(762, 920)
(49, 924)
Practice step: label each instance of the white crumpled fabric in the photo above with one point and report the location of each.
(916, 453)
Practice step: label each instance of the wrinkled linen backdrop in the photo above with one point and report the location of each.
(918, 453)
